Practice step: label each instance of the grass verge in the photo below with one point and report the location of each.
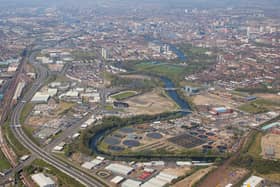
(4, 163)
(18, 148)
(124, 95)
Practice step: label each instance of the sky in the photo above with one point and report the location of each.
(198, 3)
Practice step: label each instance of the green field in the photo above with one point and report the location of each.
(25, 112)
(17, 147)
(255, 149)
(172, 71)
(251, 108)
(4, 163)
(109, 107)
(192, 51)
(124, 95)
(197, 61)
(259, 106)
(261, 89)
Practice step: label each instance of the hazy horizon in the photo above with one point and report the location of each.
(174, 3)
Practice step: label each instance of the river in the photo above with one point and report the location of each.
(173, 94)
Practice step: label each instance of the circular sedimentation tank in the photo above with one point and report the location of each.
(131, 143)
(116, 148)
(112, 141)
(154, 135)
(127, 130)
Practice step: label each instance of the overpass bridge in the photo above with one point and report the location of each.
(184, 110)
(171, 89)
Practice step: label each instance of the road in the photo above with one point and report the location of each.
(84, 178)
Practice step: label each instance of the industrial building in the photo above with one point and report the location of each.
(269, 126)
(43, 181)
(220, 110)
(41, 97)
(120, 169)
(191, 90)
(154, 163)
(117, 180)
(104, 53)
(52, 91)
(90, 165)
(119, 104)
(131, 183)
(18, 91)
(250, 98)
(254, 181)
(161, 180)
(59, 147)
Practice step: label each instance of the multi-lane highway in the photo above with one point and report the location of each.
(84, 178)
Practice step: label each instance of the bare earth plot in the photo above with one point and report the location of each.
(37, 121)
(150, 103)
(271, 141)
(136, 76)
(191, 180)
(230, 176)
(211, 99)
(177, 171)
(273, 97)
(233, 176)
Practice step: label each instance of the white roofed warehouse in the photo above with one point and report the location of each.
(131, 183)
(40, 97)
(254, 181)
(43, 181)
(120, 169)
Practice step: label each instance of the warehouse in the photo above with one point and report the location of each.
(253, 181)
(117, 180)
(154, 182)
(183, 163)
(43, 181)
(269, 126)
(166, 177)
(59, 147)
(92, 164)
(160, 180)
(251, 98)
(18, 91)
(154, 163)
(88, 165)
(220, 110)
(41, 97)
(96, 162)
(52, 91)
(121, 169)
(119, 104)
(131, 183)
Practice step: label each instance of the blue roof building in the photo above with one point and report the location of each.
(269, 126)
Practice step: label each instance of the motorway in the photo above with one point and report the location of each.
(84, 178)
